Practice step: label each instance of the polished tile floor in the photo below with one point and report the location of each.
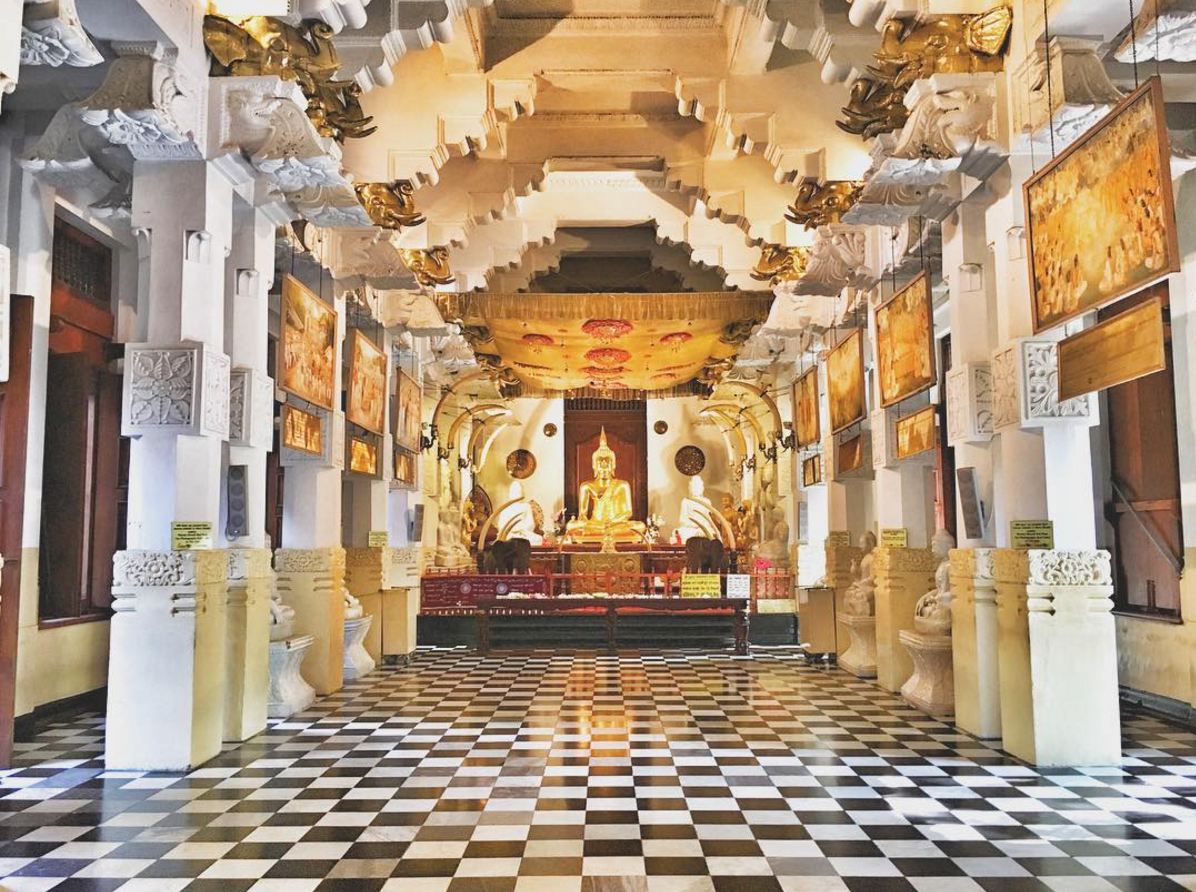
(583, 772)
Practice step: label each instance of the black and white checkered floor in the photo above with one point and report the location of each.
(583, 772)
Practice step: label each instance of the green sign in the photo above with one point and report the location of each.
(190, 535)
(1031, 534)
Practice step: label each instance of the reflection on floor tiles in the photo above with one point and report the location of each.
(581, 772)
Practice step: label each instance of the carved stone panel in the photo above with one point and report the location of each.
(970, 403)
(1025, 387)
(251, 409)
(175, 389)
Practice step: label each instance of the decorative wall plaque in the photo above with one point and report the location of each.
(661, 426)
(845, 381)
(550, 430)
(521, 464)
(690, 460)
(916, 433)
(905, 342)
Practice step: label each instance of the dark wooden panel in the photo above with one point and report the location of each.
(14, 428)
(626, 434)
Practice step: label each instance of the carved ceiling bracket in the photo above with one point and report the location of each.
(52, 35)
(1080, 87)
(1166, 29)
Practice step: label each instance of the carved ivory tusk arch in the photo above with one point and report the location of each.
(451, 390)
(742, 412)
(778, 426)
(479, 430)
(485, 530)
(732, 429)
(493, 436)
(450, 442)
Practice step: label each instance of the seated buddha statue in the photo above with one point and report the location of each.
(604, 503)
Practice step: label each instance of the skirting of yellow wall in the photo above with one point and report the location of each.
(1157, 657)
(54, 664)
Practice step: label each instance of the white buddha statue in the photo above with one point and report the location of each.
(353, 608)
(860, 599)
(775, 549)
(697, 513)
(517, 520)
(450, 544)
(932, 613)
(282, 616)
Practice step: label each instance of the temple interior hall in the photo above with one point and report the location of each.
(597, 445)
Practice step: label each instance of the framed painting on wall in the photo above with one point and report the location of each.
(845, 381)
(302, 430)
(405, 469)
(916, 433)
(905, 342)
(409, 407)
(363, 456)
(811, 471)
(307, 354)
(1101, 217)
(805, 409)
(366, 405)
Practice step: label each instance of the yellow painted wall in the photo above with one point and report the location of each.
(1160, 658)
(53, 664)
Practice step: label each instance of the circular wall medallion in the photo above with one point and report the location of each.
(550, 430)
(521, 464)
(661, 426)
(690, 460)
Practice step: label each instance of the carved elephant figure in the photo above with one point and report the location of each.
(703, 555)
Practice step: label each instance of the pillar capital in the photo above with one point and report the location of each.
(1024, 387)
(175, 389)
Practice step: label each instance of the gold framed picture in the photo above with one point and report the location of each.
(811, 471)
(1128, 346)
(1100, 218)
(916, 433)
(302, 430)
(307, 348)
(363, 456)
(850, 455)
(366, 405)
(806, 423)
(905, 342)
(409, 407)
(845, 381)
(405, 469)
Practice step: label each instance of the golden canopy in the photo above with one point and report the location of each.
(562, 342)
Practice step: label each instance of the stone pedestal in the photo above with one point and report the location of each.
(311, 580)
(289, 692)
(816, 619)
(247, 636)
(366, 572)
(357, 662)
(903, 575)
(931, 688)
(400, 607)
(1058, 657)
(859, 658)
(976, 634)
(839, 560)
(167, 659)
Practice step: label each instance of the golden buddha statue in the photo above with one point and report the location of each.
(604, 504)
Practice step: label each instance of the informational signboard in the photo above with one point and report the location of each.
(701, 585)
(838, 539)
(443, 592)
(1031, 534)
(190, 535)
(739, 585)
(378, 539)
(894, 538)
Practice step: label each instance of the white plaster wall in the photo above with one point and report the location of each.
(547, 483)
(666, 485)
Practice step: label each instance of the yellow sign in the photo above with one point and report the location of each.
(701, 585)
(1031, 534)
(190, 535)
(378, 539)
(838, 539)
(894, 538)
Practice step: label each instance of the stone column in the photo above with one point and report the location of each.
(400, 604)
(247, 640)
(312, 581)
(976, 636)
(166, 700)
(903, 575)
(839, 562)
(1058, 657)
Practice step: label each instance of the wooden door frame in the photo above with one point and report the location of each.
(13, 461)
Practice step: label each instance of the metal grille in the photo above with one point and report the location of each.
(82, 265)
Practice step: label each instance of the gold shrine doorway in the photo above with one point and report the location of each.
(626, 426)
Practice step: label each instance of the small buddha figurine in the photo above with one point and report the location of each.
(282, 616)
(353, 608)
(604, 504)
(860, 599)
(697, 513)
(775, 549)
(932, 613)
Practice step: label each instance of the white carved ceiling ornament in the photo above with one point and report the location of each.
(52, 35)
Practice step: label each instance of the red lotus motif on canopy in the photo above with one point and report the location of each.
(608, 356)
(538, 340)
(599, 372)
(676, 337)
(607, 329)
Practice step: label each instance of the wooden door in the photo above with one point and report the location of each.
(1144, 504)
(626, 433)
(14, 428)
